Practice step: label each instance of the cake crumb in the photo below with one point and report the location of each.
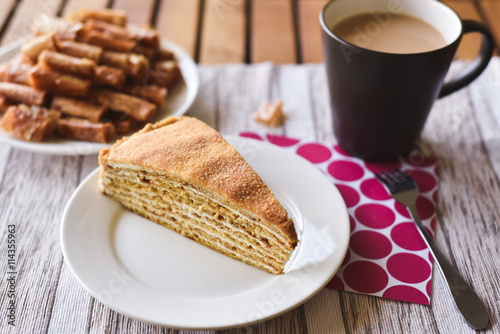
(271, 114)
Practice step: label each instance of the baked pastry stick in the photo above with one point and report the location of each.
(58, 83)
(148, 37)
(4, 68)
(4, 104)
(182, 174)
(113, 16)
(109, 76)
(22, 94)
(136, 108)
(145, 35)
(137, 65)
(80, 50)
(164, 73)
(147, 51)
(124, 125)
(132, 64)
(32, 123)
(16, 70)
(107, 42)
(82, 129)
(67, 64)
(122, 122)
(154, 94)
(109, 29)
(61, 29)
(31, 48)
(163, 54)
(115, 59)
(78, 108)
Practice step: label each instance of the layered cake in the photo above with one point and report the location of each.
(184, 175)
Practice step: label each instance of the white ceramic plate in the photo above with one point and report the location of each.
(147, 272)
(178, 101)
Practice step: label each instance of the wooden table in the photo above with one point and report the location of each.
(35, 188)
(231, 31)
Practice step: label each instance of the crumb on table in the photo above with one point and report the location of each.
(271, 114)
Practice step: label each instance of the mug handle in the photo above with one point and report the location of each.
(478, 65)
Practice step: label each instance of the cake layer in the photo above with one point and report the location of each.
(184, 209)
(184, 175)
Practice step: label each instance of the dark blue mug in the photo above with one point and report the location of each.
(380, 100)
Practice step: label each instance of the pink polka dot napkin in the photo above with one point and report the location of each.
(386, 256)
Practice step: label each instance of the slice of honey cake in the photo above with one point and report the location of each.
(184, 175)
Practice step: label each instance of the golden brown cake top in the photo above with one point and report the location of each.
(189, 149)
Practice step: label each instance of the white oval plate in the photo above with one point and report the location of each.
(150, 273)
(177, 102)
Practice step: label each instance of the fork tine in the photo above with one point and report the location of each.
(406, 177)
(395, 180)
(401, 174)
(392, 176)
(382, 178)
(386, 181)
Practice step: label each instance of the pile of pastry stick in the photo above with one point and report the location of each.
(89, 77)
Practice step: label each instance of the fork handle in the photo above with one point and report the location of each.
(467, 301)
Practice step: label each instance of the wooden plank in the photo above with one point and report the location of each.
(294, 90)
(324, 313)
(139, 12)
(4, 155)
(178, 21)
(205, 105)
(470, 44)
(73, 5)
(36, 214)
(320, 101)
(310, 30)
(223, 32)
(272, 32)
(90, 162)
(72, 303)
(27, 12)
(491, 12)
(240, 91)
(485, 100)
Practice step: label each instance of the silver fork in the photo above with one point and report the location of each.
(404, 190)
